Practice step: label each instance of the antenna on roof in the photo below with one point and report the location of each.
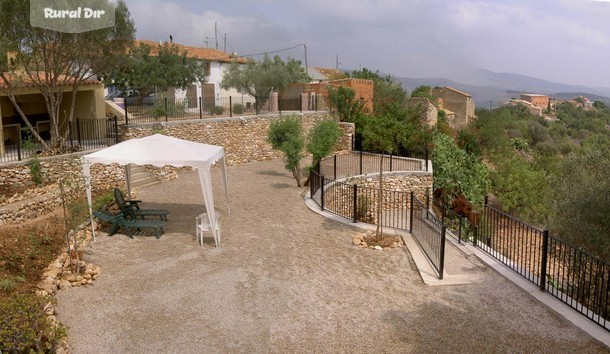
(171, 39)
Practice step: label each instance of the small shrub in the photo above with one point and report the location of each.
(216, 110)
(36, 170)
(24, 327)
(238, 108)
(7, 284)
(104, 202)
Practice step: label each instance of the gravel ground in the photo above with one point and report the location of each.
(286, 279)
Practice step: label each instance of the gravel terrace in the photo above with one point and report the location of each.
(286, 279)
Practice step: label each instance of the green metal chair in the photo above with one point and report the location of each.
(118, 222)
(131, 208)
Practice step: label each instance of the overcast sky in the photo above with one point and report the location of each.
(566, 41)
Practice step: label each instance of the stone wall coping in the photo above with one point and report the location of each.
(223, 119)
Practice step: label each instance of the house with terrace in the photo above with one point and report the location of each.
(89, 105)
(210, 93)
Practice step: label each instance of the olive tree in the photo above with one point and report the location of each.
(286, 135)
(51, 60)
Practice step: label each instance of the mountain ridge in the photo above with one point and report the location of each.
(488, 88)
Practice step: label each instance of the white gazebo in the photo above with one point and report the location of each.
(161, 150)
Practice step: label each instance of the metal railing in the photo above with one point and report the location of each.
(430, 234)
(362, 204)
(513, 242)
(570, 274)
(165, 109)
(578, 279)
(357, 163)
(82, 135)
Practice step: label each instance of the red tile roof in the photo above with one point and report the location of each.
(26, 82)
(207, 54)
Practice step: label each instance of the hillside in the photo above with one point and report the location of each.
(487, 87)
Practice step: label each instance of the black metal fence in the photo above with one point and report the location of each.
(164, 109)
(81, 135)
(394, 208)
(430, 234)
(357, 163)
(570, 274)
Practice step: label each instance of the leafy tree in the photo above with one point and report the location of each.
(343, 99)
(322, 139)
(523, 188)
(580, 210)
(259, 79)
(385, 134)
(285, 135)
(458, 173)
(155, 67)
(599, 104)
(425, 92)
(50, 60)
(389, 97)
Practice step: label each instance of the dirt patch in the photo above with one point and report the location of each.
(26, 249)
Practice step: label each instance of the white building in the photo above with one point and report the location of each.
(209, 93)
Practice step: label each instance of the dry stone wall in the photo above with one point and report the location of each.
(397, 187)
(244, 140)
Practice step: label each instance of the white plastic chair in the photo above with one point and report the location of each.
(203, 224)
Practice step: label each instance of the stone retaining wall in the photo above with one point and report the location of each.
(244, 140)
(397, 187)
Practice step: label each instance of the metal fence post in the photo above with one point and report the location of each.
(544, 261)
(166, 109)
(411, 212)
(311, 183)
(355, 203)
(441, 267)
(230, 106)
(322, 192)
(200, 107)
(460, 230)
(335, 167)
(300, 103)
(116, 130)
(126, 115)
(427, 199)
(78, 137)
(19, 147)
(360, 161)
(390, 163)
(426, 158)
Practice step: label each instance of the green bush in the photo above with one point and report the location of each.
(216, 110)
(36, 170)
(170, 108)
(24, 327)
(238, 108)
(104, 201)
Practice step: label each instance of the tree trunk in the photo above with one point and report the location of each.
(296, 172)
(27, 122)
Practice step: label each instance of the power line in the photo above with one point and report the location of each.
(269, 52)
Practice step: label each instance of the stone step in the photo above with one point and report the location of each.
(139, 176)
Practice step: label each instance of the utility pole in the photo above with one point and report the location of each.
(216, 34)
(490, 105)
(225, 43)
(337, 63)
(305, 48)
